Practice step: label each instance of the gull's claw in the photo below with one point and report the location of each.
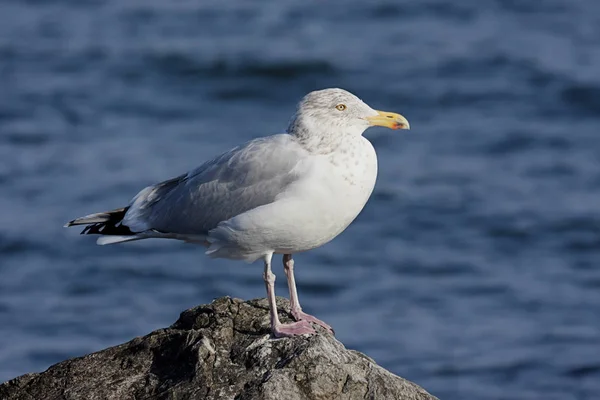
(300, 315)
(293, 329)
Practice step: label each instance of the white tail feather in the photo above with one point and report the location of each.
(102, 240)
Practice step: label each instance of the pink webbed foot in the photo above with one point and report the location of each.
(300, 315)
(293, 329)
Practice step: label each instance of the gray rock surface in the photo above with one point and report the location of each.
(218, 351)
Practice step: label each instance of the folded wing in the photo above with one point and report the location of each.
(244, 178)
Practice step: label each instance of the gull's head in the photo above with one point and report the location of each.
(337, 110)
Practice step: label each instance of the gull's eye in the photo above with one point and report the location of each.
(341, 107)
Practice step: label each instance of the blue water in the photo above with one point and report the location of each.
(473, 270)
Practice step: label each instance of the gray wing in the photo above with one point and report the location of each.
(239, 180)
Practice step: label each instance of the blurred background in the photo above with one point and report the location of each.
(473, 270)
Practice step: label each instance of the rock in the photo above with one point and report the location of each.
(218, 351)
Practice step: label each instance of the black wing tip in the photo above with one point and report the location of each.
(107, 228)
(106, 218)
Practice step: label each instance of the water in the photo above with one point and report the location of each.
(472, 271)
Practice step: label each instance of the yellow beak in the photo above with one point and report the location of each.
(389, 120)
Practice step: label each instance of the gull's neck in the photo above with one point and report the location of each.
(321, 138)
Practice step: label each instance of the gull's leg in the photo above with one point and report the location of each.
(297, 313)
(279, 329)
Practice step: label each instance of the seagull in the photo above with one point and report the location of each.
(280, 194)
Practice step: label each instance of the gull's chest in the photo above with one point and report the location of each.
(335, 189)
(356, 164)
(352, 178)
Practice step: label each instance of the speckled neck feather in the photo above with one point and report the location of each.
(316, 141)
